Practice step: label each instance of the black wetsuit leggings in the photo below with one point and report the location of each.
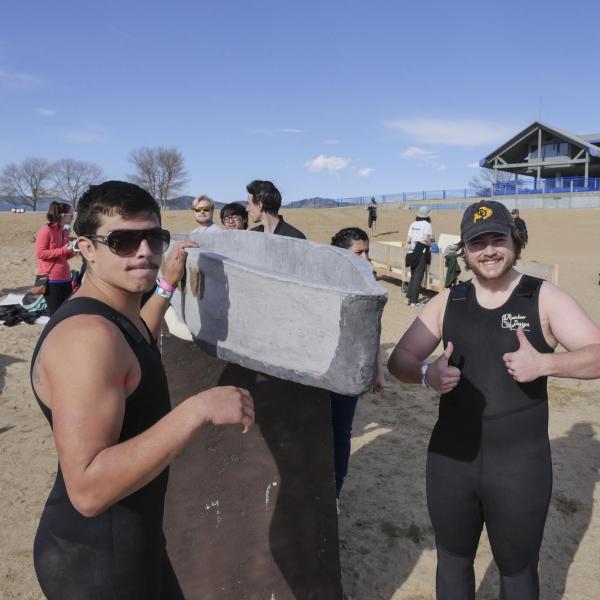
(507, 485)
(84, 574)
(56, 294)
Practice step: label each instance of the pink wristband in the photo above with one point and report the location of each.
(166, 286)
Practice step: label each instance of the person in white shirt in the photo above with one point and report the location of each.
(418, 240)
(204, 208)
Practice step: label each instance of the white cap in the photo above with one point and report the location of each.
(423, 212)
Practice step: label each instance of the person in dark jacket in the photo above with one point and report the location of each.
(519, 224)
(264, 202)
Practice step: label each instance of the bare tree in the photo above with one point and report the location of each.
(488, 177)
(146, 165)
(72, 177)
(160, 171)
(26, 183)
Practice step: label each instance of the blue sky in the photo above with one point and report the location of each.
(335, 99)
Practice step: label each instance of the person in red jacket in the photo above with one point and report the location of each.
(52, 251)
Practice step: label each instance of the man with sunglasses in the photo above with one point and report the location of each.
(98, 378)
(204, 210)
(489, 454)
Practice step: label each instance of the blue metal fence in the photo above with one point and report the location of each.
(548, 186)
(508, 188)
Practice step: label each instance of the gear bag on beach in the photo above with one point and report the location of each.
(40, 283)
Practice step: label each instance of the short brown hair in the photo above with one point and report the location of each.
(265, 192)
(112, 198)
(56, 209)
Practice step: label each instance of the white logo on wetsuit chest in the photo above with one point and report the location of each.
(512, 322)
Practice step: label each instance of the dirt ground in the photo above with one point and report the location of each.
(386, 540)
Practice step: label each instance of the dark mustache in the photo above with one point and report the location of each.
(144, 265)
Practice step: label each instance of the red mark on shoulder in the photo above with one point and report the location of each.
(128, 380)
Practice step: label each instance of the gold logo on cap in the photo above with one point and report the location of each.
(482, 214)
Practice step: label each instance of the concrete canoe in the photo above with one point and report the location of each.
(294, 309)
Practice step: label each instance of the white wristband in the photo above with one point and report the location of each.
(159, 291)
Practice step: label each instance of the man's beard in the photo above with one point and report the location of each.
(482, 274)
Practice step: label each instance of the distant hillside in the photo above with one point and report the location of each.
(179, 203)
(185, 203)
(317, 202)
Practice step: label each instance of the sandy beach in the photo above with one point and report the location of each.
(386, 541)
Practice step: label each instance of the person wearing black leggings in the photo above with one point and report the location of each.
(489, 455)
(53, 251)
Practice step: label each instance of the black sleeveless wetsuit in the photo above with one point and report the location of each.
(119, 554)
(489, 455)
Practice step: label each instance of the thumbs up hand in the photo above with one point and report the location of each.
(441, 376)
(523, 364)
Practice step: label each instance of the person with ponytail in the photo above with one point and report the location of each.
(52, 249)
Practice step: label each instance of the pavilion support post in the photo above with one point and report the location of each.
(539, 157)
(587, 170)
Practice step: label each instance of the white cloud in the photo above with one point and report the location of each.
(262, 131)
(87, 136)
(453, 132)
(332, 142)
(425, 157)
(365, 171)
(18, 81)
(416, 152)
(473, 165)
(333, 164)
(45, 112)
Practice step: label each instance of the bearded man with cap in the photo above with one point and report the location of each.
(418, 240)
(489, 455)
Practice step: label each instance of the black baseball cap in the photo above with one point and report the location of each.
(487, 216)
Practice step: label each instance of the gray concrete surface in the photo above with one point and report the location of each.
(294, 309)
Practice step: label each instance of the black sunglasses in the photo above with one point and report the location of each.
(125, 242)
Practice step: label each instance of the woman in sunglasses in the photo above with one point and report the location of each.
(53, 253)
(204, 210)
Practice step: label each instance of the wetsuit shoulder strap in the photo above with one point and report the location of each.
(528, 286)
(460, 291)
(89, 306)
